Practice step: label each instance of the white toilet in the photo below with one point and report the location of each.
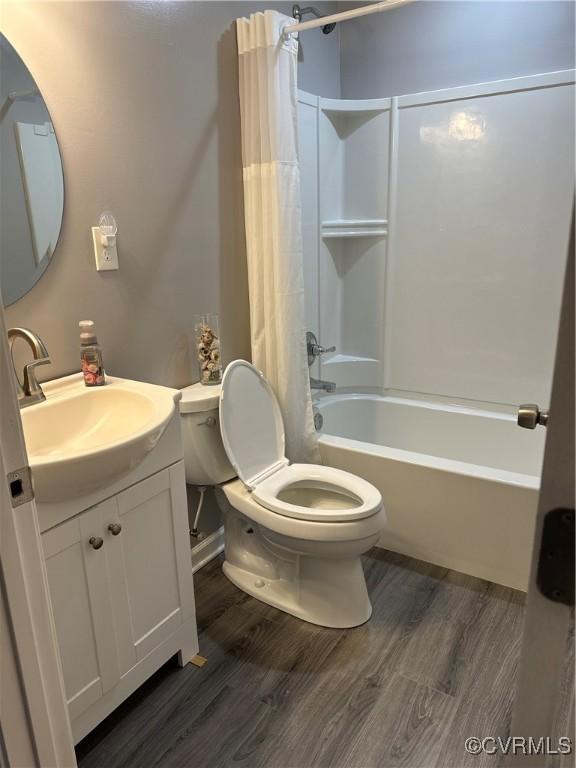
(294, 533)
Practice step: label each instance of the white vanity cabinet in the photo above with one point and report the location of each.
(120, 581)
(82, 607)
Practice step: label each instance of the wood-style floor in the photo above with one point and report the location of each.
(436, 664)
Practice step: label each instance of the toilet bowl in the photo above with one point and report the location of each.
(307, 568)
(294, 533)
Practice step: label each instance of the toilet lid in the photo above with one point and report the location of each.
(251, 423)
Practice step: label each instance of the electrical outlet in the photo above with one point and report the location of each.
(105, 251)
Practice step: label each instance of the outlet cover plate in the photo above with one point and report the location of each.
(106, 256)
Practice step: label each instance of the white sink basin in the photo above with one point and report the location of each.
(83, 438)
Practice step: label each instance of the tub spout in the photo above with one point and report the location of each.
(326, 386)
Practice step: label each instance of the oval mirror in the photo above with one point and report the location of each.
(31, 179)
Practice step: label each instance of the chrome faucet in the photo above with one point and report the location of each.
(315, 350)
(30, 391)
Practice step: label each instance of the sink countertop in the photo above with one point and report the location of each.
(82, 439)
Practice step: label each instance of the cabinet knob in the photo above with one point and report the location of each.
(114, 528)
(95, 542)
(530, 415)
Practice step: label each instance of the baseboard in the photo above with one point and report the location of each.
(207, 549)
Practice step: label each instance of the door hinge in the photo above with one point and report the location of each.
(20, 486)
(555, 576)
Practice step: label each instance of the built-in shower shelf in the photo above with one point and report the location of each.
(366, 107)
(354, 228)
(352, 370)
(339, 359)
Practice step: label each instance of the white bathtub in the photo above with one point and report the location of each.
(460, 485)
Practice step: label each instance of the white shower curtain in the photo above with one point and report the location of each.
(273, 220)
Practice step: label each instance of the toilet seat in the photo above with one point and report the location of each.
(326, 486)
(253, 436)
(242, 500)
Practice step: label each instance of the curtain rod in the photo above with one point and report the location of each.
(365, 10)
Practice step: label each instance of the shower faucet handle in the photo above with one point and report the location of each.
(314, 349)
(530, 415)
(318, 349)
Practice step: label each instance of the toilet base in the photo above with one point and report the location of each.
(329, 592)
(288, 565)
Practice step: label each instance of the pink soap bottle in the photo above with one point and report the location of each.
(91, 356)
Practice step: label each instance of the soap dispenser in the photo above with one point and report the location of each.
(91, 356)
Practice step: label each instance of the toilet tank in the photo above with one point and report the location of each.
(205, 460)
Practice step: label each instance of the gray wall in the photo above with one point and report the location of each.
(143, 97)
(437, 44)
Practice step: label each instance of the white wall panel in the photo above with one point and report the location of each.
(484, 195)
(344, 156)
(354, 158)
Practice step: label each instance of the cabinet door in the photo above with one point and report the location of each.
(149, 564)
(80, 599)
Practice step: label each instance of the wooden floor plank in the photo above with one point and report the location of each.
(436, 663)
(406, 728)
(486, 693)
(438, 655)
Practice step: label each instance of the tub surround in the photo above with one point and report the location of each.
(435, 247)
(454, 306)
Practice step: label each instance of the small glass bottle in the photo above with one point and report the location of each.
(91, 356)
